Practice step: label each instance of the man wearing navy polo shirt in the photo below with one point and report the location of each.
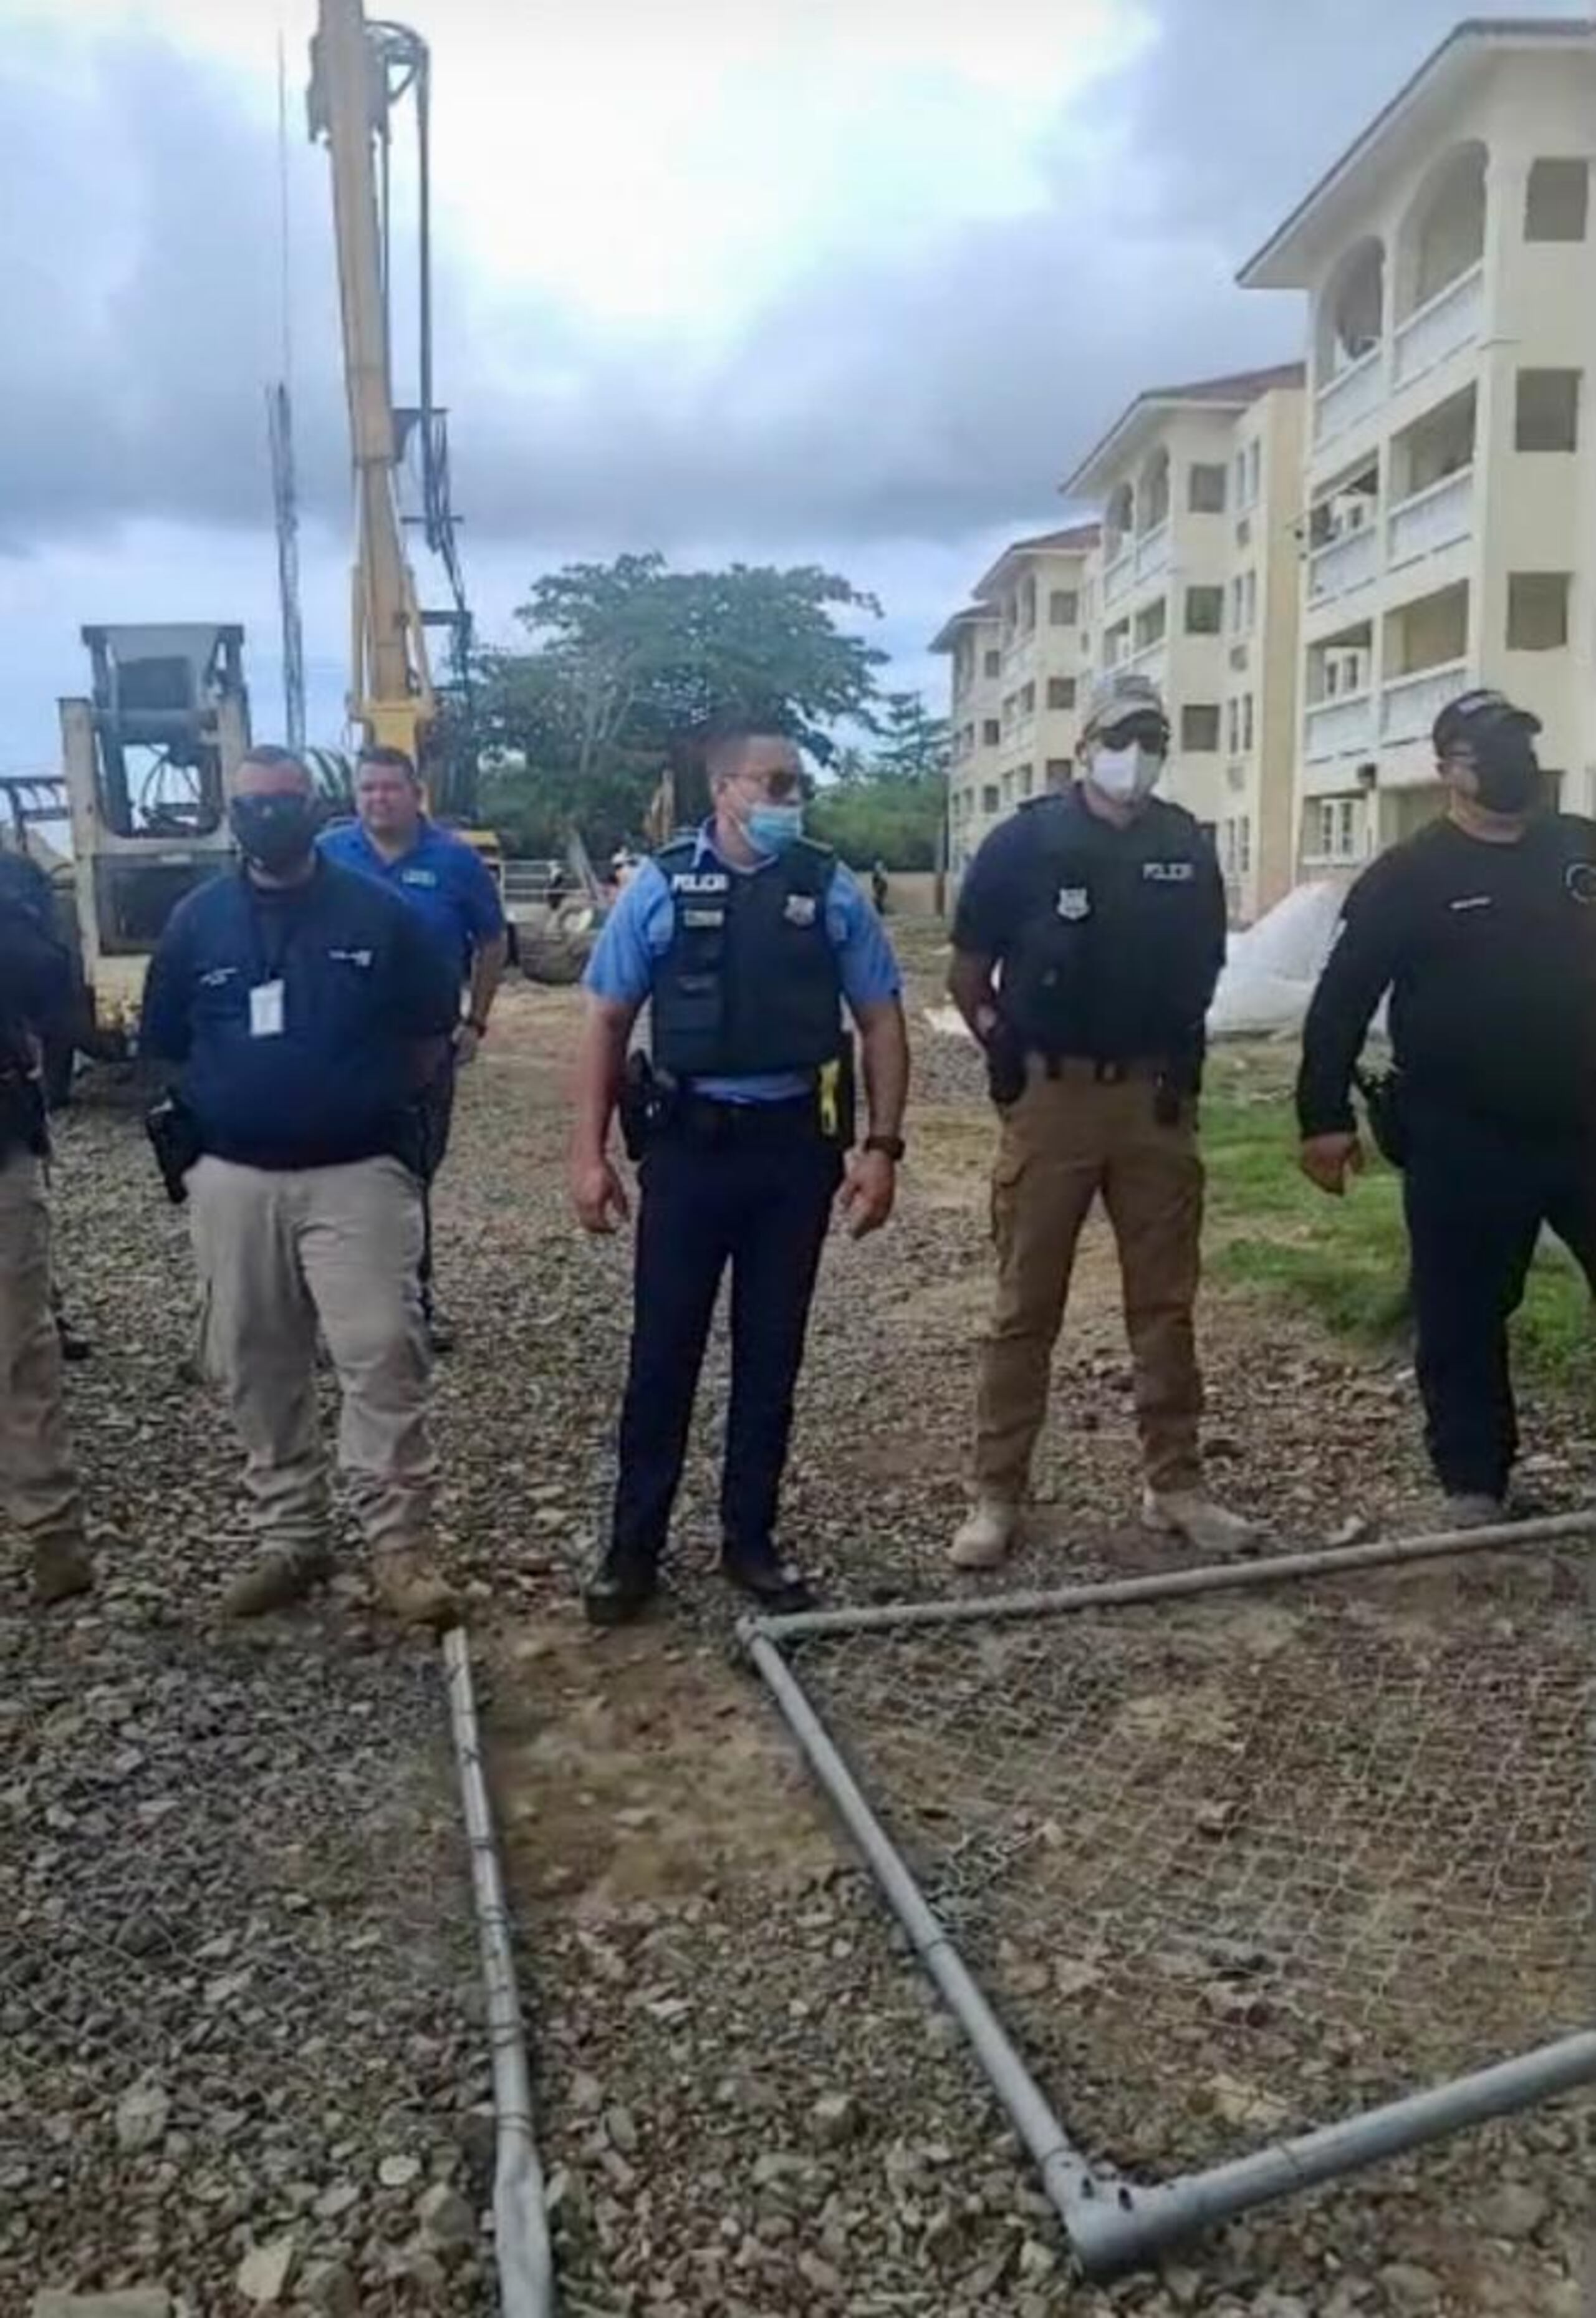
(302, 1009)
(449, 887)
(747, 941)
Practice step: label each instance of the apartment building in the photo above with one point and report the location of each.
(1195, 584)
(1449, 525)
(1019, 667)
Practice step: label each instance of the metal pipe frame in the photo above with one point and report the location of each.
(1113, 2225)
(521, 2247)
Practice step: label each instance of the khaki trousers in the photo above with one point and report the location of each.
(280, 1253)
(38, 1488)
(1066, 1140)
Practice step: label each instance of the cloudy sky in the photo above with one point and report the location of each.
(846, 280)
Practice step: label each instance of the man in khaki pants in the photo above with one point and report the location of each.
(37, 1487)
(304, 1006)
(1089, 937)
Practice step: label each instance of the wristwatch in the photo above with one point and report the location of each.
(891, 1146)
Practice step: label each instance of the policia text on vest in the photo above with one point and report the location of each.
(741, 1123)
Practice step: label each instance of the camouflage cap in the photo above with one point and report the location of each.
(1118, 694)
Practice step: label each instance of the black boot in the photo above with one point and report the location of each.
(778, 1587)
(620, 1589)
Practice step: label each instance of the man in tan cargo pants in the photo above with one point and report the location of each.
(304, 1006)
(1089, 937)
(37, 1487)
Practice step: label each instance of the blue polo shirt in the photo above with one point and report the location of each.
(638, 933)
(445, 880)
(361, 983)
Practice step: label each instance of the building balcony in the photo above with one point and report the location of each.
(1021, 656)
(1152, 550)
(1342, 401)
(1119, 576)
(1449, 320)
(1150, 661)
(1409, 705)
(1344, 563)
(1342, 727)
(1435, 517)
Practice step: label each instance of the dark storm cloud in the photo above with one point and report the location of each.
(918, 397)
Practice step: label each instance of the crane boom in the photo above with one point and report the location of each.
(391, 696)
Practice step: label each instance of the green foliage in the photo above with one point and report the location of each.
(889, 805)
(626, 658)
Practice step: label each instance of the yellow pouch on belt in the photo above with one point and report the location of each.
(829, 1080)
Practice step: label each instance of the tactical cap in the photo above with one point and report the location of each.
(1118, 696)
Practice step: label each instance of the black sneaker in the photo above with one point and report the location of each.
(619, 1590)
(779, 1588)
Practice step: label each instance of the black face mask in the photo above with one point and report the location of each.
(277, 833)
(1507, 772)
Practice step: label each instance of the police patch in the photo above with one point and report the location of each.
(799, 909)
(1580, 877)
(1168, 873)
(1074, 903)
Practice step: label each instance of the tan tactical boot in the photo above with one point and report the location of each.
(1211, 1528)
(410, 1588)
(61, 1569)
(279, 1578)
(984, 1536)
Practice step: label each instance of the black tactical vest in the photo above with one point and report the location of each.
(749, 983)
(1112, 953)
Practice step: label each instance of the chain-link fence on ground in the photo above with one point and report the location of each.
(1234, 1867)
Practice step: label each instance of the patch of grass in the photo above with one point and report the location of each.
(1346, 1260)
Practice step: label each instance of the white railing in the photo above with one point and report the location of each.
(1339, 727)
(1409, 705)
(1343, 563)
(1434, 518)
(1150, 662)
(1020, 657)
(1440, 326)
(1152, 550)
(1118, 575)
(1343, 400)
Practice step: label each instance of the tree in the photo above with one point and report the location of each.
(915, 745)
(626, 658)
(890, 806)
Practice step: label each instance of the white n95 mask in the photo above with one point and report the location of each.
(1126, 774)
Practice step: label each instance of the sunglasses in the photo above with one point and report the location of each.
(1149, 731)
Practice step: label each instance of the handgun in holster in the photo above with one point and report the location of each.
(174, 1135)
(1382, 1100)
(649, 1100)
(1178, 1083)
(837, 1099)
(1005, 1065)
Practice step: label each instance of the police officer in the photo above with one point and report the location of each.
(304, 1007)
(37, 1485)
(748, 938)
(1482, 929)
(1088, 938)
(452, 890)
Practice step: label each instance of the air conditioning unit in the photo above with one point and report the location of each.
(1346, 670)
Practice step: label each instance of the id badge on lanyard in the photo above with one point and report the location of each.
(265, 1009)
(267, 994)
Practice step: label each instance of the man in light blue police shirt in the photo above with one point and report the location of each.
(449, 887)
(748, 940)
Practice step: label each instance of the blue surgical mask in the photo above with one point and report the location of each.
(772, 828)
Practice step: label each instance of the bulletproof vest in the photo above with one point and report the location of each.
(749, 983)
(1110, 958)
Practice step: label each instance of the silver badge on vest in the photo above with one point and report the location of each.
(1074, 903)
(800, 909)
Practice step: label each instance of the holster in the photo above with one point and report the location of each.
(1384, 1100)
(1005, 1065)
(174, 1135)
(650, 1101)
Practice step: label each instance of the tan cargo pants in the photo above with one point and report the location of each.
(278, 1254)
(1066, 1140)
(38, 1488)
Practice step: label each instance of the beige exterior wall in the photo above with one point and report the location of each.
(1423, 514)
(974, 697)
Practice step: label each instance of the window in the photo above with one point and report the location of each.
(1254, 470)
(1536, 610)
(1026, 778)
(1243, 602)
(1064, 607)
(1237, 854)
(1027, 607)
(1233, 724)
(1205, 611)
(1199, 726)
(989, 799)
(1060, 772)
(1061, 692)
(1027, 700)
(1548, 413)
(1008, 702)
(1205, 488)
(1558, 196)
(1008, 789)
(1335, 830)
(992, 664)
(991, 732)
(1241, 479)
(1246, 720)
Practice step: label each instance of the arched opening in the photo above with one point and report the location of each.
(1117, 517)
(1352, 312)
(1153, 494)
(1443, 235)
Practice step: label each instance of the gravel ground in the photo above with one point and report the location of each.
(750, 2104)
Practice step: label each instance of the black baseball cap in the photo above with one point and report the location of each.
(1468, 718)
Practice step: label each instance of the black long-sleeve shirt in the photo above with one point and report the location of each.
(1489, 953)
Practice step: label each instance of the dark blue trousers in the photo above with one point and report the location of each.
(1477, 1195)
(757, 1197)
